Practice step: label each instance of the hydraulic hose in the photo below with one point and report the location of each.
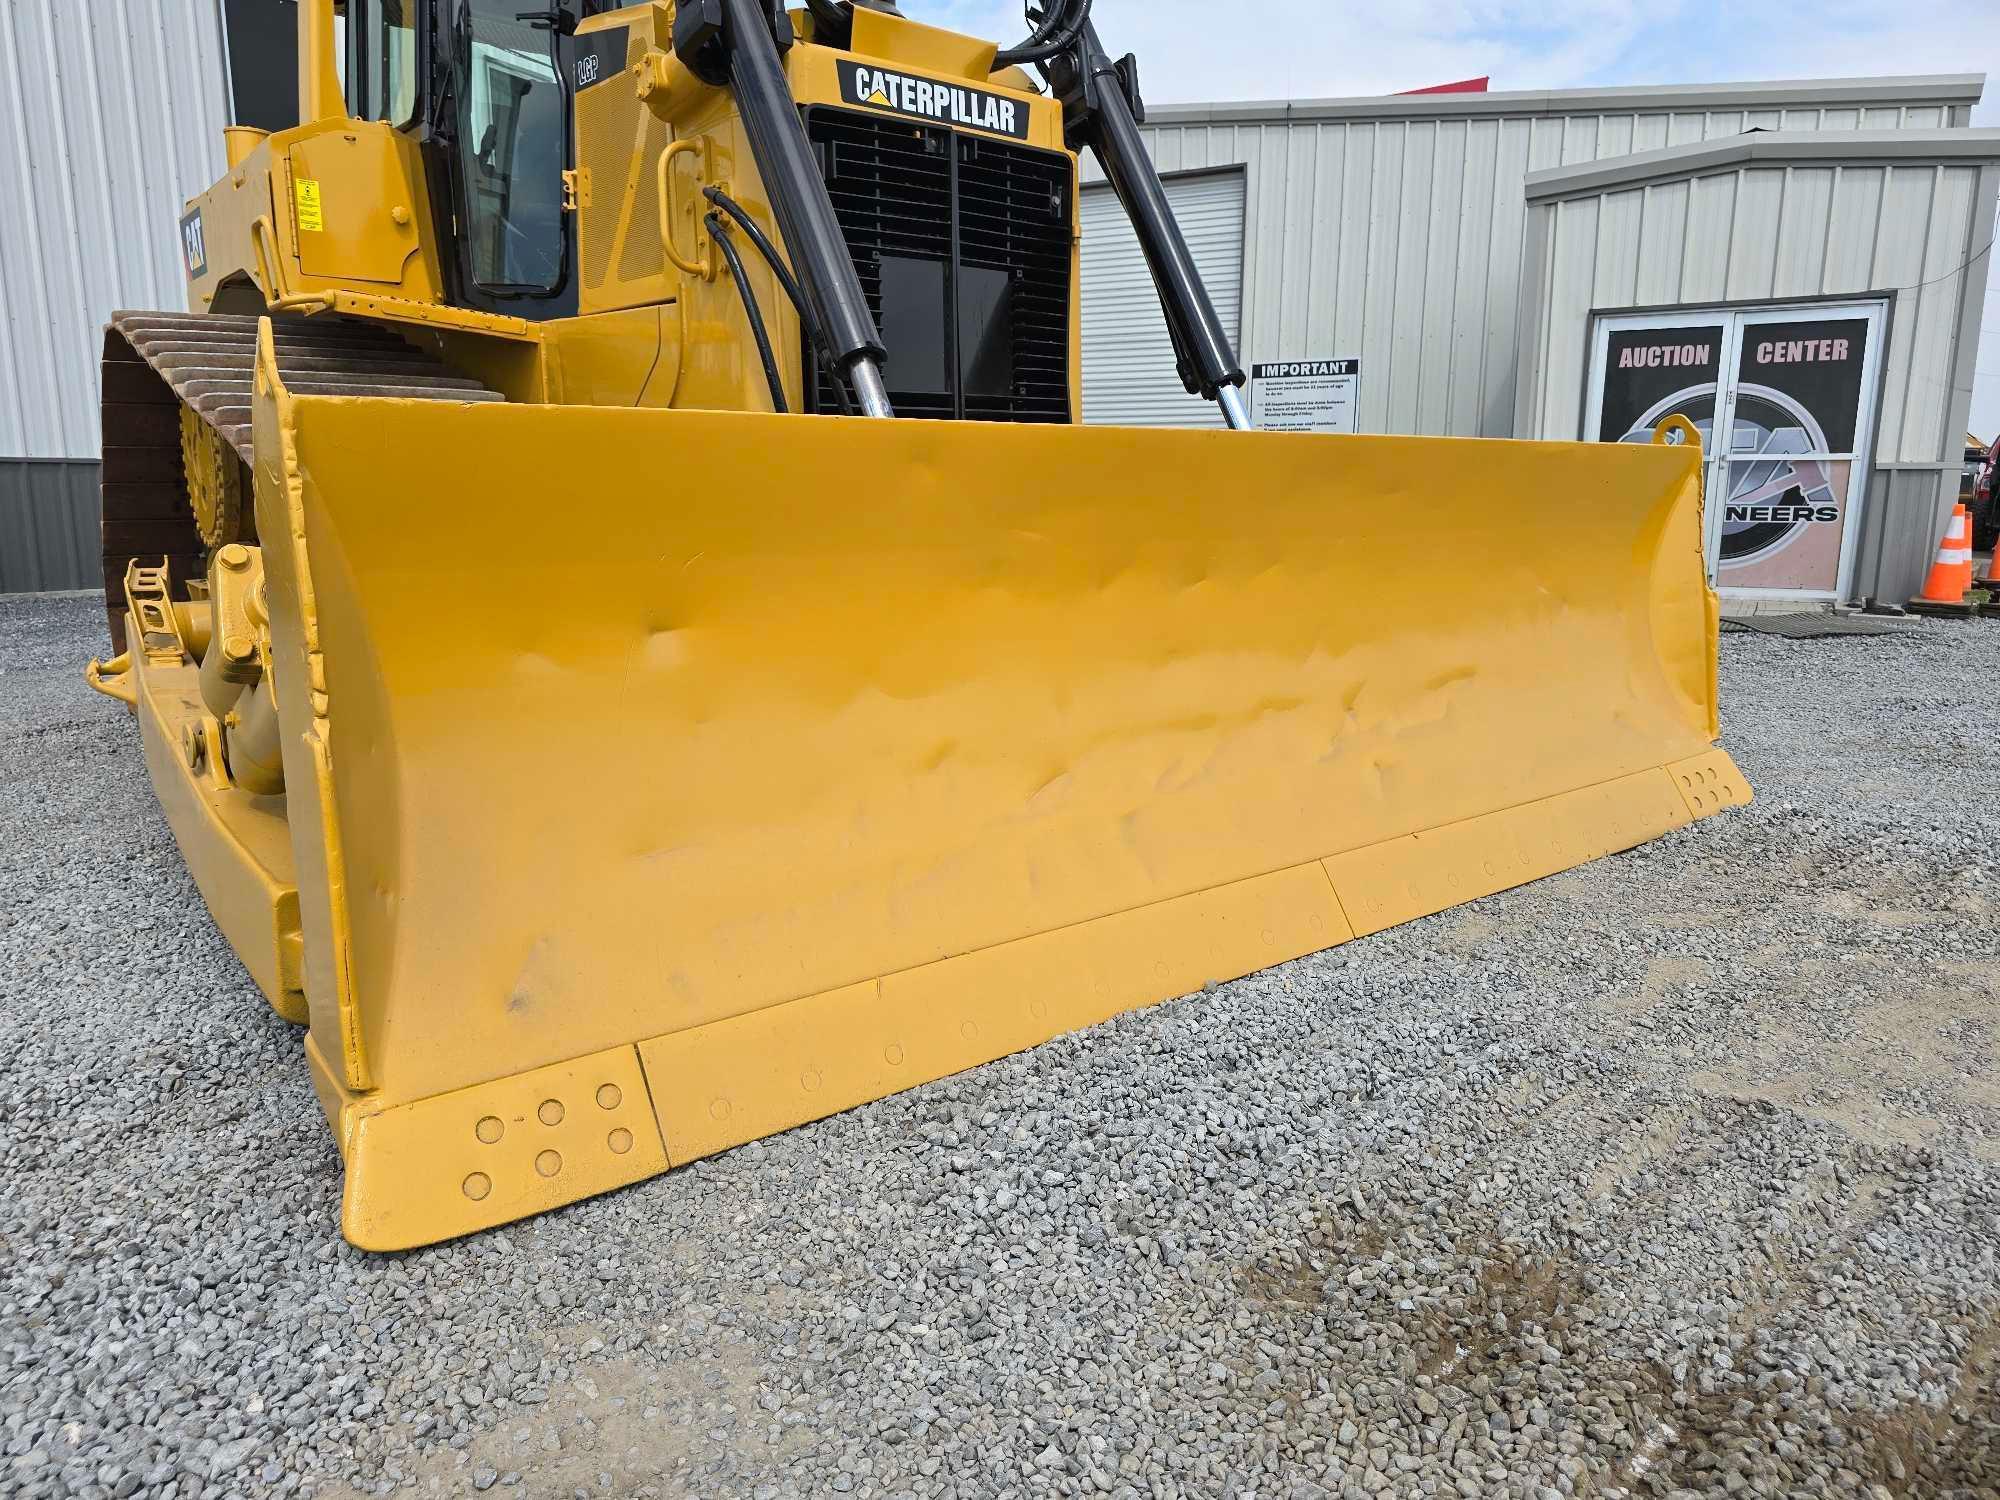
(766, 249)
(1039, 32)
(719, 232)
(1056, 32)
(822, 351)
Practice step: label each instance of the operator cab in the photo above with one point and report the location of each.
(483, 86)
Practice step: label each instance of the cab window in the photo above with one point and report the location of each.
(381, 56)
(510, 143)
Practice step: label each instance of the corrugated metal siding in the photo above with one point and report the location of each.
(113, 113)
(1399, 240)
(1912, 232)
(1129, 375)
(1900, 526)
(48, 526)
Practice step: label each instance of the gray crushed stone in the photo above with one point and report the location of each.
(1675, 1175)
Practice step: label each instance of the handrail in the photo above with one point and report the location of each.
(260, 227)
(705, 267)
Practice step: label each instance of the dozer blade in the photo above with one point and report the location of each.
(660, 780)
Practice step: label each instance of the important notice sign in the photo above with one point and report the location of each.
(1306, 395)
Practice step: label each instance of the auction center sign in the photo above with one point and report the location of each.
(1793, 399)
(1651, 374)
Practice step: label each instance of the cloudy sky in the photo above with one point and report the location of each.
(1209, 50)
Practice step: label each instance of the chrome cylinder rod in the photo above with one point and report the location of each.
(868, 388)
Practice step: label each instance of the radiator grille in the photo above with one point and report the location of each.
(1014, 216)
(971, 203)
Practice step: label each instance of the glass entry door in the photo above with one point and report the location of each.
(1783, 398)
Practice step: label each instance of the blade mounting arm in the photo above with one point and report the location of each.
(1102, 110)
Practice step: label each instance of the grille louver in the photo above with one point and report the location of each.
(973, 204)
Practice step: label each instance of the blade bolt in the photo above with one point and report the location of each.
(194, 746)
(237, 647)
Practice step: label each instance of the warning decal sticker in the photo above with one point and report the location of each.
(306, 192)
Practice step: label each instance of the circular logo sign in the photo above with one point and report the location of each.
(1779, 492)
(1775, 490)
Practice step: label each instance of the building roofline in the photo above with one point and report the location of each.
(1920, 88)
(1815, 147)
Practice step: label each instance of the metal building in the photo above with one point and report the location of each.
(1481, 255)
(114, 110)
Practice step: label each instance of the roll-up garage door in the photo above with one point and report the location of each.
(1128, 357)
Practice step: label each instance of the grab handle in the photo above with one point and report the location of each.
(705, 266)
(260, 229)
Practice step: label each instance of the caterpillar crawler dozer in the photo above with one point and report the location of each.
(639, 652)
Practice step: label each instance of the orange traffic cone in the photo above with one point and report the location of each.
(1961, 524)
(1951, 574)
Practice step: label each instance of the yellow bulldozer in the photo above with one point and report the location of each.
(639, 650)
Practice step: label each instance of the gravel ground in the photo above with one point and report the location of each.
(1678, 1174)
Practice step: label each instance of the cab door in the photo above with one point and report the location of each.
(501, 128)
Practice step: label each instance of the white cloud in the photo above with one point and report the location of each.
(1206, 51)
(1197, 50)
